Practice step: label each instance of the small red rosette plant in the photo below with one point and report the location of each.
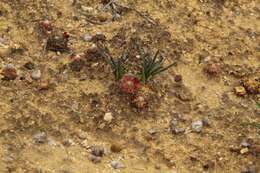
(129, 84)
(136, 85)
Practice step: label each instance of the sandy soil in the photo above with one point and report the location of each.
(68, 115)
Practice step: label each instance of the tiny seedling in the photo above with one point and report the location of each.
(152, 66)
(117, 65)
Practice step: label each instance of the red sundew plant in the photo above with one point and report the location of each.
(134, 84)
(129, 84)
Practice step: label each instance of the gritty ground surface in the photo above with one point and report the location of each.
(69, 114)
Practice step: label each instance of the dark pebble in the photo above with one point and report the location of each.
(29, 65)
(208, 165)
(9, 72)
(116, 148)
(94, 159)
(77, 65)
(178, 78)
(174, 129)
(98, 37)
(206, 122)
(40, 137)
(97, 151)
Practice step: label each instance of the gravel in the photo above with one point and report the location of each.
(9, 72)
(36, 74)
(197, 126)
(29, 65)
(95, 159)
(117, 164)
(97, 151)
(244, 143)
(108, 117)
(40, 137)
(206, 122)
(152, 131)
(174, 129)
(87, 37)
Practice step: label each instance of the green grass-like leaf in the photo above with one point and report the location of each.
(152, 66)
(117, 66)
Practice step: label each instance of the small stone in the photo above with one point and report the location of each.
(51, 142)
(98, 37)
(174, 129)
(116, 148)
(157, 166)
(178, 78)
(40, 137)
(108, 117)
(205, 122)
(212, 69)
(244, 143)
(140, 101)
(76, 18)
(9, 72)
(75, 107)
(85, 143)
(173, 123)
(208, 165)
(94, 159)
(82, 135)
(68, 142)
(244, 150)
(102, 125)
(197, 126)
(170, 162)
(116, 16)
(240, 91)
(44, 85)
(152, 131)
(87, 37)
(29, 65)
(87, 9)
(93, 53)
(117, 164)
(178, 130)
(36, 74)
(97, 151)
